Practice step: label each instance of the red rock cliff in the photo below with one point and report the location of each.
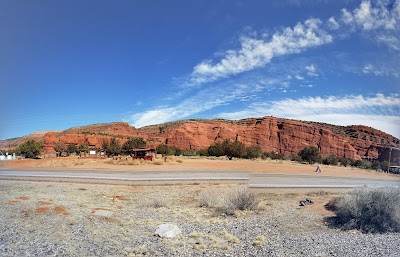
(271, 134)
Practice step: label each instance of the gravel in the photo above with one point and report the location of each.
(279, 228)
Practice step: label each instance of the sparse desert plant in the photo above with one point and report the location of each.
(179, 160)
(158, 162)
(239, 199)
(260, 239)
(207, 199)
(158, 202)
(369, 209)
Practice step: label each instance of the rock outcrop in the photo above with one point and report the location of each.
(269, 133)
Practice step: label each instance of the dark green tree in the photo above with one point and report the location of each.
(310, 154)
(162, 149)
(114, 147)
(136, 142)
(71, 148)
(234, 149)
(30, 148)
(216, 150)
(83, 148)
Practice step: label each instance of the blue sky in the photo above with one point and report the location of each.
(72, 63)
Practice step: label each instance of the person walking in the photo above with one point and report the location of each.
(318, 168)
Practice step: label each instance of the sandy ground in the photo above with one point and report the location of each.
(182, 163)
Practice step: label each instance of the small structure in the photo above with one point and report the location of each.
(144, 153)
(394, 169)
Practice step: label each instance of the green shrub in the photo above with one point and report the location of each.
(345, 161)
(385, 165)
(330, 160)
(131, 143)
(253, 152)
(369, 209)
(310, 154)
(202, 152)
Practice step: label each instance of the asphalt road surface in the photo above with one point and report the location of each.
(255, 180)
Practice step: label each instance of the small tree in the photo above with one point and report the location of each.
(30, 148)
(310, 154)
(71, 148)
(216, 150)
(234, 149)
(114, 148)
(136, 142)
(162, 149)
(59, 148)
(83, 148)
(385, 165)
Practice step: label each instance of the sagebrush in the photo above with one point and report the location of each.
(369, 209)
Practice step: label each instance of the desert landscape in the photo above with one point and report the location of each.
(42, 218)
(200, 128)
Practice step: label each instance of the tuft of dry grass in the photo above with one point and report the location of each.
(240, 199)
(158, 202)
(158, 162)
(259, 241)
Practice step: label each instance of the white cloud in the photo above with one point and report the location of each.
(390, 40)
(369, 17)
(198, 103)
(380, 71)
(298, 77)
(256, 53)
(311, 70)
(333, 24)
(379, 111)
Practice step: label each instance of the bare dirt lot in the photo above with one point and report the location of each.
(62, 219)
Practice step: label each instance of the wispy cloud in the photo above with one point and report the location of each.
(379, 111)
(197, 103)
(311, 70)
(256, 53)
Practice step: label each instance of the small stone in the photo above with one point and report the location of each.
(167, 230)
(103, 213)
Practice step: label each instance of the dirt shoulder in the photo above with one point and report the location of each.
(187, 164)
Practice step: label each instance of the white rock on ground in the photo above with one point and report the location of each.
(167, 230)
(103, 213)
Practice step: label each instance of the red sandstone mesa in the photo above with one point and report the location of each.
(269, 133)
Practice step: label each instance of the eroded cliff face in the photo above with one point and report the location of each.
(269, 133)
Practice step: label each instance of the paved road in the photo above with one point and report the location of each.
(255, 180)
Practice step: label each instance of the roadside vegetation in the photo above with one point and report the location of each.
(369, 209)
(227, 148)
